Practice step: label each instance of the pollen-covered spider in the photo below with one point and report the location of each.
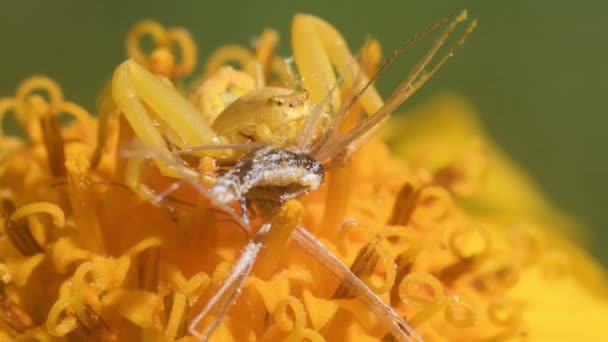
(276, 142)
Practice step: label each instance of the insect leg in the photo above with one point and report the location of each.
(233, 284)
(243, 203)
(398, 327)
(133, 179)
(185, 174)
(417, 77)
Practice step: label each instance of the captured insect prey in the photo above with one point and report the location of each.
(269, 177)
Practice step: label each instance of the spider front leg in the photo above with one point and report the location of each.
(133, 179)
(318, 48)
(134, 88)
(160, 117)
(157, 112)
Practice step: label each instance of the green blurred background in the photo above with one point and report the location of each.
(535, 70)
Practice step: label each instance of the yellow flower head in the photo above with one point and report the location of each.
(429, 234)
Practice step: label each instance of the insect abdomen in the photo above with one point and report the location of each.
(287, 173)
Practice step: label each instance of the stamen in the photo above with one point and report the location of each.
(40, 207)
(224, 55)
(18, 231)
(51, 134)
(83, 205)
(363, 266)
(404, 206)
(23, 103)
(14, 316)
(336, 201)
(296, 326)
(265, 47)
(283, 223)
(162, 60)
(148, 262)
(176, 324)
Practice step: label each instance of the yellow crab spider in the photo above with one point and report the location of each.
(287, 168)
(270, 114)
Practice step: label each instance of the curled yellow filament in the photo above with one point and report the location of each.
(285, 76)
(60, 328)
(284, 322)
(296, 327)
(497, 273)
(409, 296)
(143, 245)
(5, 274)
(78, 282)
(264, 51)
(432, 203)
(507, 314)
(469, 242)
(412, 291)
(78, 279)
(163, 56)
(29, 107)
(82, 116)
(466, 174)
(389, 271)
(41, 207)
(460, 312)
(409, 242)
(225, 55)
(504, 312)
(29, 86)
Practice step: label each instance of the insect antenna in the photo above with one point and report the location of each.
(338, 117)
(388, 61)
(415, 79)
(353, 95)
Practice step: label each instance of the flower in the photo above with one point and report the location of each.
(434, 219)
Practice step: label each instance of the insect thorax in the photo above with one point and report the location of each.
(268, 177)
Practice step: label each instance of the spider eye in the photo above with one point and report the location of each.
(278, 100)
